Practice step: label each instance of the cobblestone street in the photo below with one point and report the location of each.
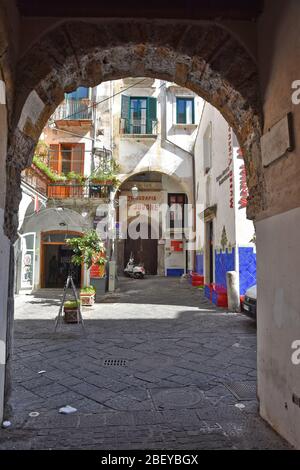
(180, 383)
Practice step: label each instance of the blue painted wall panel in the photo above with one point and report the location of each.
(224, 262)
(175, 272)
(200, 263)
(247, 262)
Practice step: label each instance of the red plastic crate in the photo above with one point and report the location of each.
(219, 296)
(222, 300)
(197, 279)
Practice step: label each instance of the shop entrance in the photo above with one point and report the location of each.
(56, 261)
(144, 251)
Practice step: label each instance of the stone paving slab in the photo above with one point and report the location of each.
(180, 353)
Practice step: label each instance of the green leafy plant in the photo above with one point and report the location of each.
(88, 290)
(42, 150)
(88, 249)
(71, 304)
(72, 175)
(103, 175)
(52, 175)
(253, 239)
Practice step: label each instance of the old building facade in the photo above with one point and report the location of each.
(225, 237)
(146, 129)
(154, 129)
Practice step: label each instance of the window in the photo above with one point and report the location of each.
(138, 115)
(185, 110)
(80, 94)
(207, 148)
(67, 157)
(176, 203)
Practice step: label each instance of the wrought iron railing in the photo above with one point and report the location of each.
(73, 110)
(138, 126)
(34, 178)
(65, 190)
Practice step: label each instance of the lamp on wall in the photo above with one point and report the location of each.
(135, 191)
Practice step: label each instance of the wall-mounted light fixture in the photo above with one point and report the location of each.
(135, 191)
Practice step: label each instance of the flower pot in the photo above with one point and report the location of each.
(102, 182)
(71, 315)
(87, 299)
(100, 285)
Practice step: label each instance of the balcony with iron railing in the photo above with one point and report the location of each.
(36, 179)
(72, 190)
(138, 127)
(74, 110)
(61, 171)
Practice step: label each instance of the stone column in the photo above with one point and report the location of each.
(161, 259)
(4, 250)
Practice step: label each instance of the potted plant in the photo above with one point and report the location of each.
(74, 177)
(75, 183)
(71, 311)
(107, 176)
(87, 296)
(89, 250)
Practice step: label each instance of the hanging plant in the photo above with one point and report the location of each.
(107, 176)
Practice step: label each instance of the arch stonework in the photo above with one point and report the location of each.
(163, 171)
(202, 56)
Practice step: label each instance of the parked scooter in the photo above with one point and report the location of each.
(135, 271)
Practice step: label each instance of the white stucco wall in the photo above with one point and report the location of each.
(49, 220)
(73, 135)
(226, 196)
(278, 321)
(182, 135)
(208, 191)
(167, 152)
(244, 227)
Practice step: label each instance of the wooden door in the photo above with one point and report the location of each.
(144, 251)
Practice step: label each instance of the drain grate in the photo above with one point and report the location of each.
(242, 390)
(115, 362)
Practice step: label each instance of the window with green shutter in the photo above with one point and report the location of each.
(185, 111)
(138, 115)
(151, 115)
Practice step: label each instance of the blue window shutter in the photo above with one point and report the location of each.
(151, 114)
(125, 112)
(180, 111)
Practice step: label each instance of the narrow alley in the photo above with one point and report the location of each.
(158, 368)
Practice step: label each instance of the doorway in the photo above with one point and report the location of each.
(209, 252)
(144, 251)
(56, 261)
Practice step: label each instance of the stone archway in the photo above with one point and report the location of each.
(198, 56)
(155, 263)
(202, 56)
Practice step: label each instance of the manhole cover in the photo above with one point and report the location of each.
(174, 398)
(242, 390)
(115, 362)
